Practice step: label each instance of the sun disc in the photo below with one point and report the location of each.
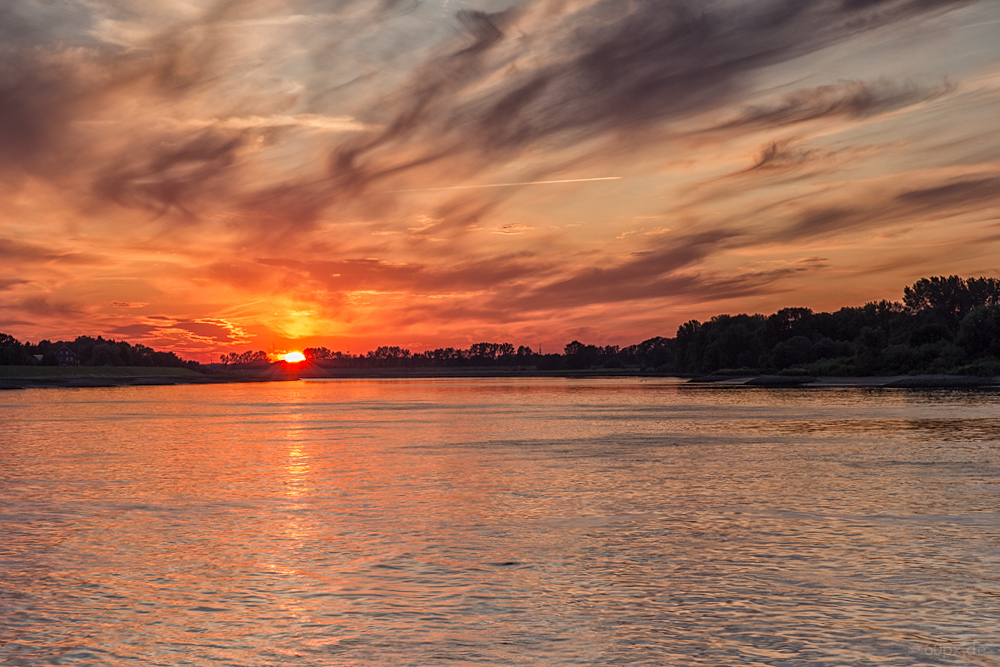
(295, 357)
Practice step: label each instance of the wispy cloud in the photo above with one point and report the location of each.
(850, 99)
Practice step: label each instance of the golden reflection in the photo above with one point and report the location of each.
(296, 471)
(297, 465)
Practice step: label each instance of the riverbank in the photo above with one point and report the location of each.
(874, 381)
(34, 377)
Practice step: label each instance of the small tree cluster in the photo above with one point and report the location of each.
(248, 358)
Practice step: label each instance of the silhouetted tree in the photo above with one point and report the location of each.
(12, 351)
(979, 332)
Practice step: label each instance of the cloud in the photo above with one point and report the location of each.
(43, 306)
(470, 275)
(197, 332)
(213, 330)
(656, 273)
(306, 121)
(18, 252)
(39, 95)
(615, 70)
(850, 99)
(135, 330)
(519, 286)
(171, 177)
(658, 293)
(10, 283)
(781, 156)
(512, 228)
(960, 196)
(531, 77)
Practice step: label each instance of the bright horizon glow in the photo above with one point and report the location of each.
(294, 357)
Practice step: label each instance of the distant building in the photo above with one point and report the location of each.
(67, 357)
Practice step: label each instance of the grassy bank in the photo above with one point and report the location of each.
(109, 372)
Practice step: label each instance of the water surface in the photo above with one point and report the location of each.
(498, 522)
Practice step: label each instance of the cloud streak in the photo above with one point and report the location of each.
(850, 99)
(511, 185)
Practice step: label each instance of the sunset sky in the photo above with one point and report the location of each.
(209, 176)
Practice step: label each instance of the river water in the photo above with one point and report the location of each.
(498, 522)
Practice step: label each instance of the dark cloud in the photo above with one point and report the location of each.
(960, 194)
(54, 72)
(283, 208)
(656, 273)
(826, 220)
(615, 70)
(782, 155)
(60, 86)
(955, 198)
(171, 177)
(135, 330)
(10, 283)
(484, 29)
(16, 251)
(38, 100)
(42, 306)
(7, 322)
(27, 23)
(852, 99)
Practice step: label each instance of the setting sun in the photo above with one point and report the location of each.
(294, 357)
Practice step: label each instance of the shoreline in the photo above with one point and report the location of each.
(146, 376)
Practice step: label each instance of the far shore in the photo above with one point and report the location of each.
(33, 377)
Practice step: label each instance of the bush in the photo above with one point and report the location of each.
(986, 367)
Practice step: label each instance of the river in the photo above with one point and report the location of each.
(498, 522)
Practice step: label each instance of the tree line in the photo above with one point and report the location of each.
(941, 325)
(89, 352)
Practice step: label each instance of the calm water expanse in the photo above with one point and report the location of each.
(498, 522)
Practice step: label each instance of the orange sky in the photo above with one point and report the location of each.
(209, 176)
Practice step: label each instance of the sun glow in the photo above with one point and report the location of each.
(294, 357)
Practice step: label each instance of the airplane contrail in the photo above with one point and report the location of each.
(507, 185)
